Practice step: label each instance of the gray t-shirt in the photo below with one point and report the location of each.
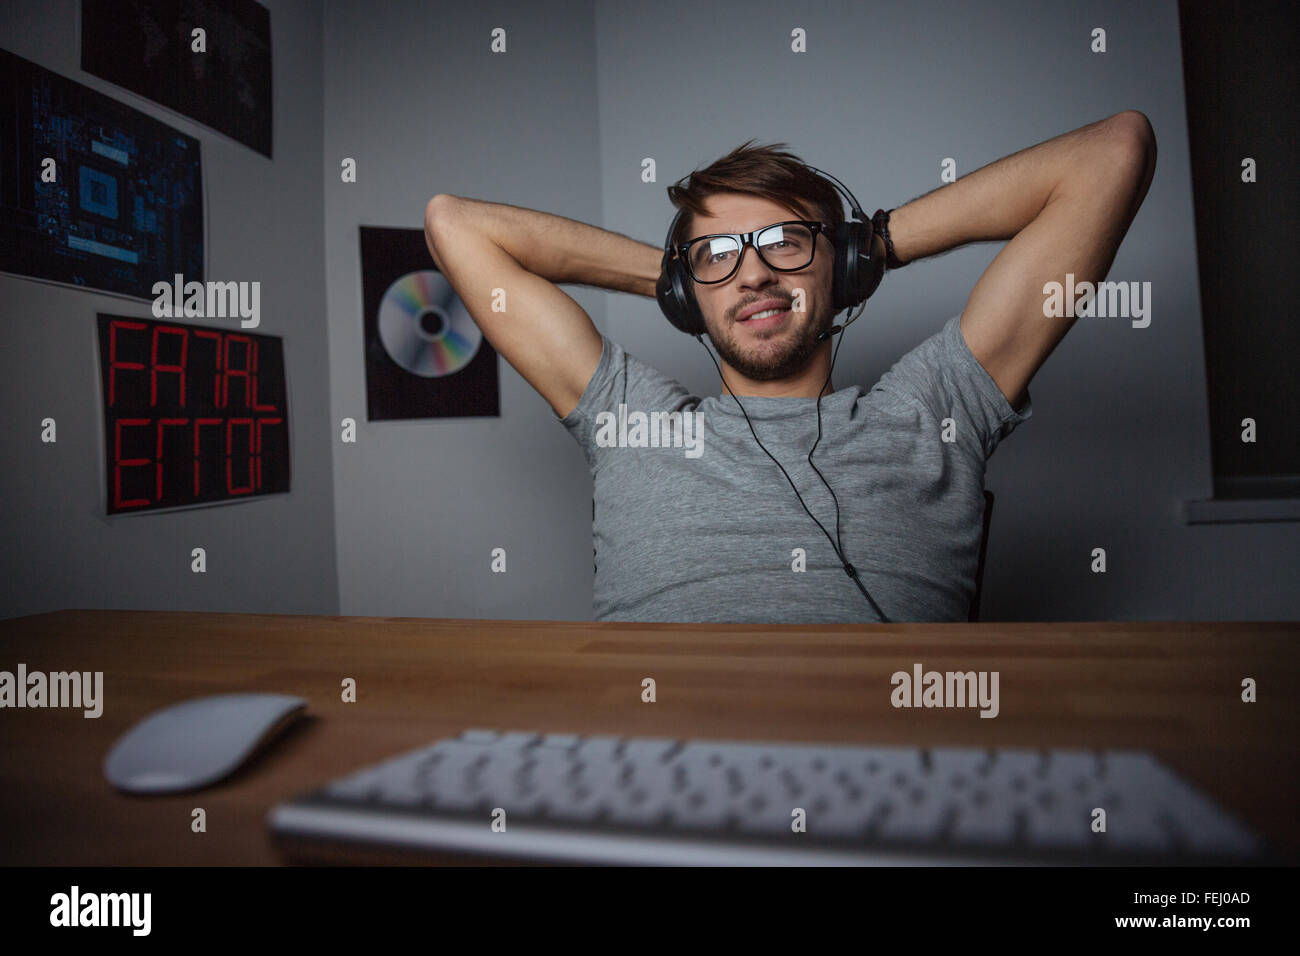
(693, 522)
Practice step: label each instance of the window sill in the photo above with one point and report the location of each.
(1241, 510)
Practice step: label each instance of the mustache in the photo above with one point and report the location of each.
(785, 304)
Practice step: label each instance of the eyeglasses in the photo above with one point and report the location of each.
(784, 246)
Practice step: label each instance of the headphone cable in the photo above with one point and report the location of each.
(849, 569)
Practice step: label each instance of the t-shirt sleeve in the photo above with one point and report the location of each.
(949, 382)
(621, 379)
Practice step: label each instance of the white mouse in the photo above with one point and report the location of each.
(198, 742)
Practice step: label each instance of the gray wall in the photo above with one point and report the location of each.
(273, 554)
(418, 100)
(561, 122)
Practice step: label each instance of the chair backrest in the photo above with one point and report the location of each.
(984, 547)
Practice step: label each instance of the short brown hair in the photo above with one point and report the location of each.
(771, 172)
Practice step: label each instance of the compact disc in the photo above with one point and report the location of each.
(424, 326)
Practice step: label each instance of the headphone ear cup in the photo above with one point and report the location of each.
(844, 276)
(671, 297)
(664, 294)
(857, 271)
(694, 317)
(675, 299)
(673, 290)
(871, 266)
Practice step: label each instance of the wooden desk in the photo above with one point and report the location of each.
(1170, 688)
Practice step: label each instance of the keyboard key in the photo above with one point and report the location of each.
(595, 750)
(764, 807)
(1060, 824)
(915, 815)
(985, 821)
(647, 749)
(403, 793)
(516, 742)
(358, 786)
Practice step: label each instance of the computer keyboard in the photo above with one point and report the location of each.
(564, 798)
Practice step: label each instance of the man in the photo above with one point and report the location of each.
(742, 530)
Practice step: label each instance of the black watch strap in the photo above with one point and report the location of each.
(880, 222)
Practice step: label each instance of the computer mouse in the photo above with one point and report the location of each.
(198, 742)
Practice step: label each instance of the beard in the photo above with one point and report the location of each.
(783, 353)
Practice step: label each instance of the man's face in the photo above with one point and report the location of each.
(763, 349)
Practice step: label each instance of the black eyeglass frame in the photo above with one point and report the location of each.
(747, 239)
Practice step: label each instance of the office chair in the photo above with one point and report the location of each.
(974, 614)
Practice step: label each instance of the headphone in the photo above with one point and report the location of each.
(855, 275)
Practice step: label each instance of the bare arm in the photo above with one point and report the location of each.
(493, 254)
(1065, 204)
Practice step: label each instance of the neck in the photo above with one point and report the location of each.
(806, 384)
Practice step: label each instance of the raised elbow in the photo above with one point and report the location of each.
(1134, 135)
(437, 210)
